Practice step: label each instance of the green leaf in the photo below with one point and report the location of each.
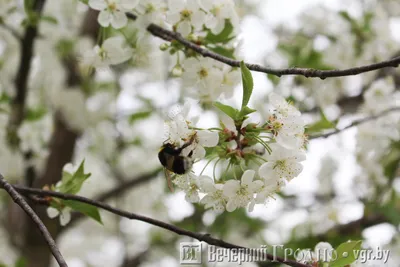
(72, 183)
(224, 36)
(346, 253)
(21, 262)
(247, 80)
(245, 111)
(222, 51)
(322, 124)
(86, 2)
(228, 110)
(139, 116)
(35, 114)
(87, 209)
(50, 19)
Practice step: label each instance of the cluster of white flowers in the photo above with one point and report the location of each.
(282, 165)
(207, 79)
(113, 51)
(188, 17)
(193, 19)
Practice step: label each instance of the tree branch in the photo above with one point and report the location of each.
(115, 192)
(306, 72)
(27, 43)
(355, 123)
(180, 231)
(18, 199)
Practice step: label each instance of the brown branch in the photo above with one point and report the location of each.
(123, 187)
(18, 199)
(27, 44)
(355, 123)
(306, 72)
(133, 216)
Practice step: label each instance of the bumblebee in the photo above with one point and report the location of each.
(172, 160)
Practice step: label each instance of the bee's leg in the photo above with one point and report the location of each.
(169, 181)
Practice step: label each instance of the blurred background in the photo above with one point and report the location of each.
(349, 188)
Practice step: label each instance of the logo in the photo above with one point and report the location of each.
(190, 253)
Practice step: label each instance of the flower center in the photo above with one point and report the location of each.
(112, 6)
(186, 14)
(103, 54)
(281, 164)
(150, 8)
(203, 73)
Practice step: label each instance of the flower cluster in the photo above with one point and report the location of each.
(237, 143)
(212, 24)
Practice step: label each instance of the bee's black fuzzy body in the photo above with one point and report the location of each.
(171, 159)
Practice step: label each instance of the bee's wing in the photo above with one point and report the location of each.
(169, 181)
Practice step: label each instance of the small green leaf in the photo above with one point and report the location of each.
(21, 262)
(245, 111)
(88, 210)
(139, 116)
(86, 2)
(228, 110)
(72, 183)
(35, 114)
(346, 253)
(224, 36)
(222, 51)
(247, 80)
(322, 124)
(50, 19)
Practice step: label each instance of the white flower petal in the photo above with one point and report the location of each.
(199, 152)
(119, 20)
(97, 4)
(230, 188)
(231, 205)
(247, 177)
(52, 212)
(207, 184)
(65, 216)
(104, 18)
(208, 138)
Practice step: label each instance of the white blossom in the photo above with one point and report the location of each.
(204, 78)
(113, 11)
(113, 51)
(214, 197)
(240, 194)
(219, 11)
(282, 163)
(64, 214)
(189, 183)
(179, 133)
(288, 131)
(185, 14)
(282, 108)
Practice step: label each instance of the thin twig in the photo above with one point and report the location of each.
(18, 199)
(306, 72)
(355, 123)
(180, 231)
(115, 192)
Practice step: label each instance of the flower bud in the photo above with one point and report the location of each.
(164, 46)
(177, 71)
